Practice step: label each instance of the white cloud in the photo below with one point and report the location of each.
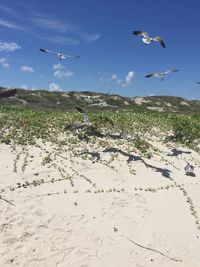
(27, 69)
(63, 74)
(2, 60)
(8, 47)
(119, 81)
(61, 71)
(130, 76)
(58, 66)
(128, 79)
(125, 82)
(124, 85)
(114, 77)
(4, 63)
(54, 87)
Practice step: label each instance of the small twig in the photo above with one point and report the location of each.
(154, 250)
(48, 194)
(7, 201)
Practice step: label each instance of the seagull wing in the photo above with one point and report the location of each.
(156, 74)
(71, 56)
(169, 71)
(149, 75)
(141, 33)
(48, 51)
(158, 39)
(80, 110)
(85, 116)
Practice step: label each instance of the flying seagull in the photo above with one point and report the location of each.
(77, 125)
(59, 55)
(189, 169)
(147, 39)
(160, 74)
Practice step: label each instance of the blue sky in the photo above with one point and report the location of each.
(111, 58)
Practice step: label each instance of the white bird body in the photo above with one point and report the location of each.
(147, 39)
(189, 169)
(59, 55)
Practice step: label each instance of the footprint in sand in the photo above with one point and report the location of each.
(140, 198)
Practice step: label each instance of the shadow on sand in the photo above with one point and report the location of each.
(164, 171)
(176, 152)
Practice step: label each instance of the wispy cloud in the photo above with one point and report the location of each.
(54, 87)
(27, 69)
(8, 10)
(61, 72)
(75, 33)
(61, 40)
(9, 47)
(52, 24)
(10, 24)
(88, 38)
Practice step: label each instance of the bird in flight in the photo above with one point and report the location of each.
(160, 74)
(59, 55)
(78, 125)
(147, 39)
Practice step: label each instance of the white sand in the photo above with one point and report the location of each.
(88, 222)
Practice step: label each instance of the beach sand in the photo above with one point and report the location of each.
(62, 209)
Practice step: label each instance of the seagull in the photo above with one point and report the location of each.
(189, 169)
(147, 39)
(96, 155)
(77, 125)
(160, 74)
(59, 55)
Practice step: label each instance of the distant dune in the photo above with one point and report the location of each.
(66, 101)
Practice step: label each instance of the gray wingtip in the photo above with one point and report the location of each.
(43, 50)
(136, 32)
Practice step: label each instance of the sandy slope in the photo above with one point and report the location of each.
(90, 220)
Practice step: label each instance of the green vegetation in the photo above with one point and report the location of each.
(186, 129)
(25, 126)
